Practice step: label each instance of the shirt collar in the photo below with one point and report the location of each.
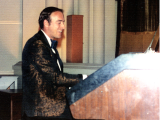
(48, 39)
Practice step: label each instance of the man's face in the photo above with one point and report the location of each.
(56, 26)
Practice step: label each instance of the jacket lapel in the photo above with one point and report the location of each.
(44, 39)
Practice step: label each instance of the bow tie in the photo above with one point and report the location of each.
(54, 44)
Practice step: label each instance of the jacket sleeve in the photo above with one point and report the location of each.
(43, 65)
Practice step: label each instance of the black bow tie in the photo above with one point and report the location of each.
(54, 44)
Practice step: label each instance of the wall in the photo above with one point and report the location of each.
(10, 34)
(99, 28)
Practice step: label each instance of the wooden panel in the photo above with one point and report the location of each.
(74, 38)
(135, 41)
(130, 95)
(16, 106)
(10, 104)
(5, 106)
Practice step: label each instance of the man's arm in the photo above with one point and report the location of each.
(45, 62)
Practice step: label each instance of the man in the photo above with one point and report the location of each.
(44, 83)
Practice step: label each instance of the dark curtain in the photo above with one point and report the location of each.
(140, 15)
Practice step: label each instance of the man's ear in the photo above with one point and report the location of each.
(45, 23)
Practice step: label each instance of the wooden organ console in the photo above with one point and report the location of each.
(127, 88)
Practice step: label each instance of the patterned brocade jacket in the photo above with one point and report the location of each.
(44, 84)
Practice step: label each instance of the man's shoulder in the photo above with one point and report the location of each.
(37, 38)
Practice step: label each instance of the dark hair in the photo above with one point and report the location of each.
(45, 15)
